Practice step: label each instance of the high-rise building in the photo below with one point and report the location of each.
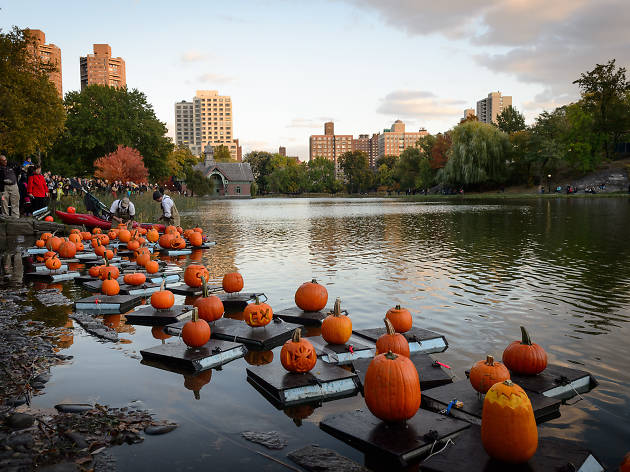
(102, 69)
(393, 141)
(209, 116)
(468, 113)
(49, 53)
(329, 145)
(282, 151)
(489, 108)
(373, 155)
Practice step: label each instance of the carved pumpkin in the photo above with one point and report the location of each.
(112, 234)
(171, 230)
(165, 240)
(85, 235)
(524, 357)
(196, 239)
(484, 374)
(136, 278)
(298, 354)
(392, 341)
(124, 235)
(508, 426)
(152, 267)
(196, 332)
(95, 270)
(232, 282)
(107, 269)
(311, 296)
(178, 243)
(110, 286)
(198, 230)
(392, 387)
(162, 299)
(400, 318)
(257, 314)
(53, 263)
(104, 239)
(210, 307)
(259, 357)
(45, 236)
(75, 238)
(97, 230)
(336, 327)
(49, 254)
(193, 275)
(67, 249)
(142, 230)
(196, 382)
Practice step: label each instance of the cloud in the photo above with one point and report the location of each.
(193, 56)
(419, 103)
(309, 122)
(215, 78)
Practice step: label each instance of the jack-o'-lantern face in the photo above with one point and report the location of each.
(257, 314)
(298, 354)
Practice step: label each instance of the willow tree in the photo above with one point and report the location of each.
(478, 154)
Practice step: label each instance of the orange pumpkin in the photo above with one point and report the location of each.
(336, 327)
(232, 282)
(67, 249)
(196, 239)
(143, 259)
(49, 254)
(392, 341)
(45, 236)
(133, 245)
(178, 243)
(136, 278)
(85, 235)
(75, 238)
(198, 230)
(625, 464)
(107, 269)
(110, 286)
(53, 263)
(142, 230)
(257, 314)
(95, 270)
(80, 246)
(196, 332)
(152, 267)
(171, 230)
(104, 239)
(53, 243)
(158, 333)
(298, 354)
(124, 235)
(311, 296)
(524, 357)
(108, 254)
(162, 299)
(97, 230)
(193, 275)
(400, 318)
(508, 426)
(210, 307)
(484, 374)
(153, 235)
(40, 243)
(165, 240)
(99, 250)
(392, 387)
(112, 234)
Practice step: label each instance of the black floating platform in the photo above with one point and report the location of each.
(431, 374)
(214, 353)
(437, 399)
(468, 455)
(183, 289)
(237, 300)
(420, 340)
(104, 304)
(282, 388)
(52, 277)
(557, 381)
(262, 338)
(149, 316)
(399, 442)
(306, 318)
(125, 289)
(341, 353)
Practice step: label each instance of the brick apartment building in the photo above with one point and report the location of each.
(49, 53)
(101, 68)
(393, 141)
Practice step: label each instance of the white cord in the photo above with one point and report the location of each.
(448, 441)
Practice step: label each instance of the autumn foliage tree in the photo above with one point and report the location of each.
(124, 164)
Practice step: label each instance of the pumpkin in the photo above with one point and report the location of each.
(108, 254)
(158, 333)
(86, 235)
(336, 327)
(99, 250)
(625, 464)
(257, 314)
(198, 230)
(124, 235)
(133, 244)
(392, 341)
(171, 230)
(400, 318)
(162, 299)
(40, 243)
(232, 282)
(45, 236)
(311, 296)
(122, 226)
(210, 307)
(112, 234)
(67, 249)
(196, 382)
(53, 263)
(143, 259)
(49, 254)
(108, 269)
(49, 218)
(75, 238)
(178, 243)
(524, 357)
(193, 275)
(153, 235)
(80, 246)
(298, 354)
(141, 240)
(196, 239)
(484, 374)
(142, 230)
(151, 267)
(195, 332)
(299, 412)
(71, 209)
(97, 230)
(392, 387)
(104, 239)
(165, 240)
(110, 286)
(95, 270)
(53, 243)
(136, 278)
(113, 321)
(187, 233)
(508, 426)
(259, 357)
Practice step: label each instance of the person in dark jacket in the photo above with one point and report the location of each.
(9, 189)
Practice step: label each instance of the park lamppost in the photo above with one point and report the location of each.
(548, 183)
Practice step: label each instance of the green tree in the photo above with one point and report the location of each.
(385, 177)
(222, 154)
(547, 141)
(179, 159)
(260, 162)
(389, 161)
(510, 120)
(290, 179)
(478, 154)
(197, 183)
(521, 157)
(321, 175)
(582, 142)
(31, 113)
(355, 166)
(413, 170)
(99, 119)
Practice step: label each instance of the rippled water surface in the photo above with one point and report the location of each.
(473, 271)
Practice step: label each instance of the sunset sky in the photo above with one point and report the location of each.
(290, 65)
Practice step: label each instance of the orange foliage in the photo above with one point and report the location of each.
(125, 164)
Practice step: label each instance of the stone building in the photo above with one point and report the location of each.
(230, 179)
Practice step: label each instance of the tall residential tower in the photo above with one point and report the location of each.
(489, 108)
(49, 53)
(102, 69)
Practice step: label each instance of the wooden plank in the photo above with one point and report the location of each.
(103, 304)
(420, 340)
(264, 338)
(149, 316)
(214, 353)
(557, 382)
(306, 318)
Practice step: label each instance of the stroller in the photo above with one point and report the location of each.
(92, 204)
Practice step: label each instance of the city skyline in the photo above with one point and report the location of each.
(362, 64)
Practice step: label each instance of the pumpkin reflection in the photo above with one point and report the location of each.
(259, 357)
(197, 382)
(237, 315)
(158, 333)
(299, 412)
(196, 255)
(66, 338)
(117, 323)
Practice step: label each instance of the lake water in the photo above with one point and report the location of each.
(472, 270)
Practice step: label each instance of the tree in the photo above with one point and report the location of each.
(581, 141)
(389, 161)
(260, 162)
(439, 152)
(385, 176)
(124, 164)
(510, 120)
(179, 159)
(478, 154)
(413, 170)
(197, 183)
(31, 113)
(321, 175)
(547, 145)
(222, 154)
(99, 119)
(355, 166)
(289, 179)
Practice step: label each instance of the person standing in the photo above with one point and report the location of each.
(9, 189)
(37, 189)
(170, 215)
(122, 210)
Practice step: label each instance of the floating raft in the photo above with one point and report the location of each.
(183, 289)
(557, 382)
(149, 316)
(125, 289)
(306, 318)
(431, 374)
(401, 443)
(32, 251)
(103, 304)
(341, 353)
(261, 338)
(86, 256)
(238, 300)
(420, 340)
(54, 276)
(438, 399)
(175, 252)
(214, 353)
(282, 388)
(468, 455)
(42, 269)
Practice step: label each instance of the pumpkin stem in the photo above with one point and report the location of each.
(389, 327)
(508, 382)
(391, 356)
(489, 360)
(257, 300)
(204, 287)
(526, 339)
(297, 334)
(162, 284)
(314, 281)
(337, 308)
(195, 315)
(398, 307)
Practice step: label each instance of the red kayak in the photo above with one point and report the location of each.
(91, 221)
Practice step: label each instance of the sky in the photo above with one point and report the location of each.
(291, 65)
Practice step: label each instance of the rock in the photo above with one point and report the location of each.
(63, 357)
(52, 296)
(20, 421)
(320, 459)
(73, 407)
(76, 438)
(24, 440)
(16, 401)
(43, 377)
(159, 429)
(61, 467)
(271, 439)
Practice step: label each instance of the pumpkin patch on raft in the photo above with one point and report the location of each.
(524, 357)
(400, 318)
(196, 332)
(163, 299)
(257, 314)
(210, 306)
(232, 282)
(193, 275)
